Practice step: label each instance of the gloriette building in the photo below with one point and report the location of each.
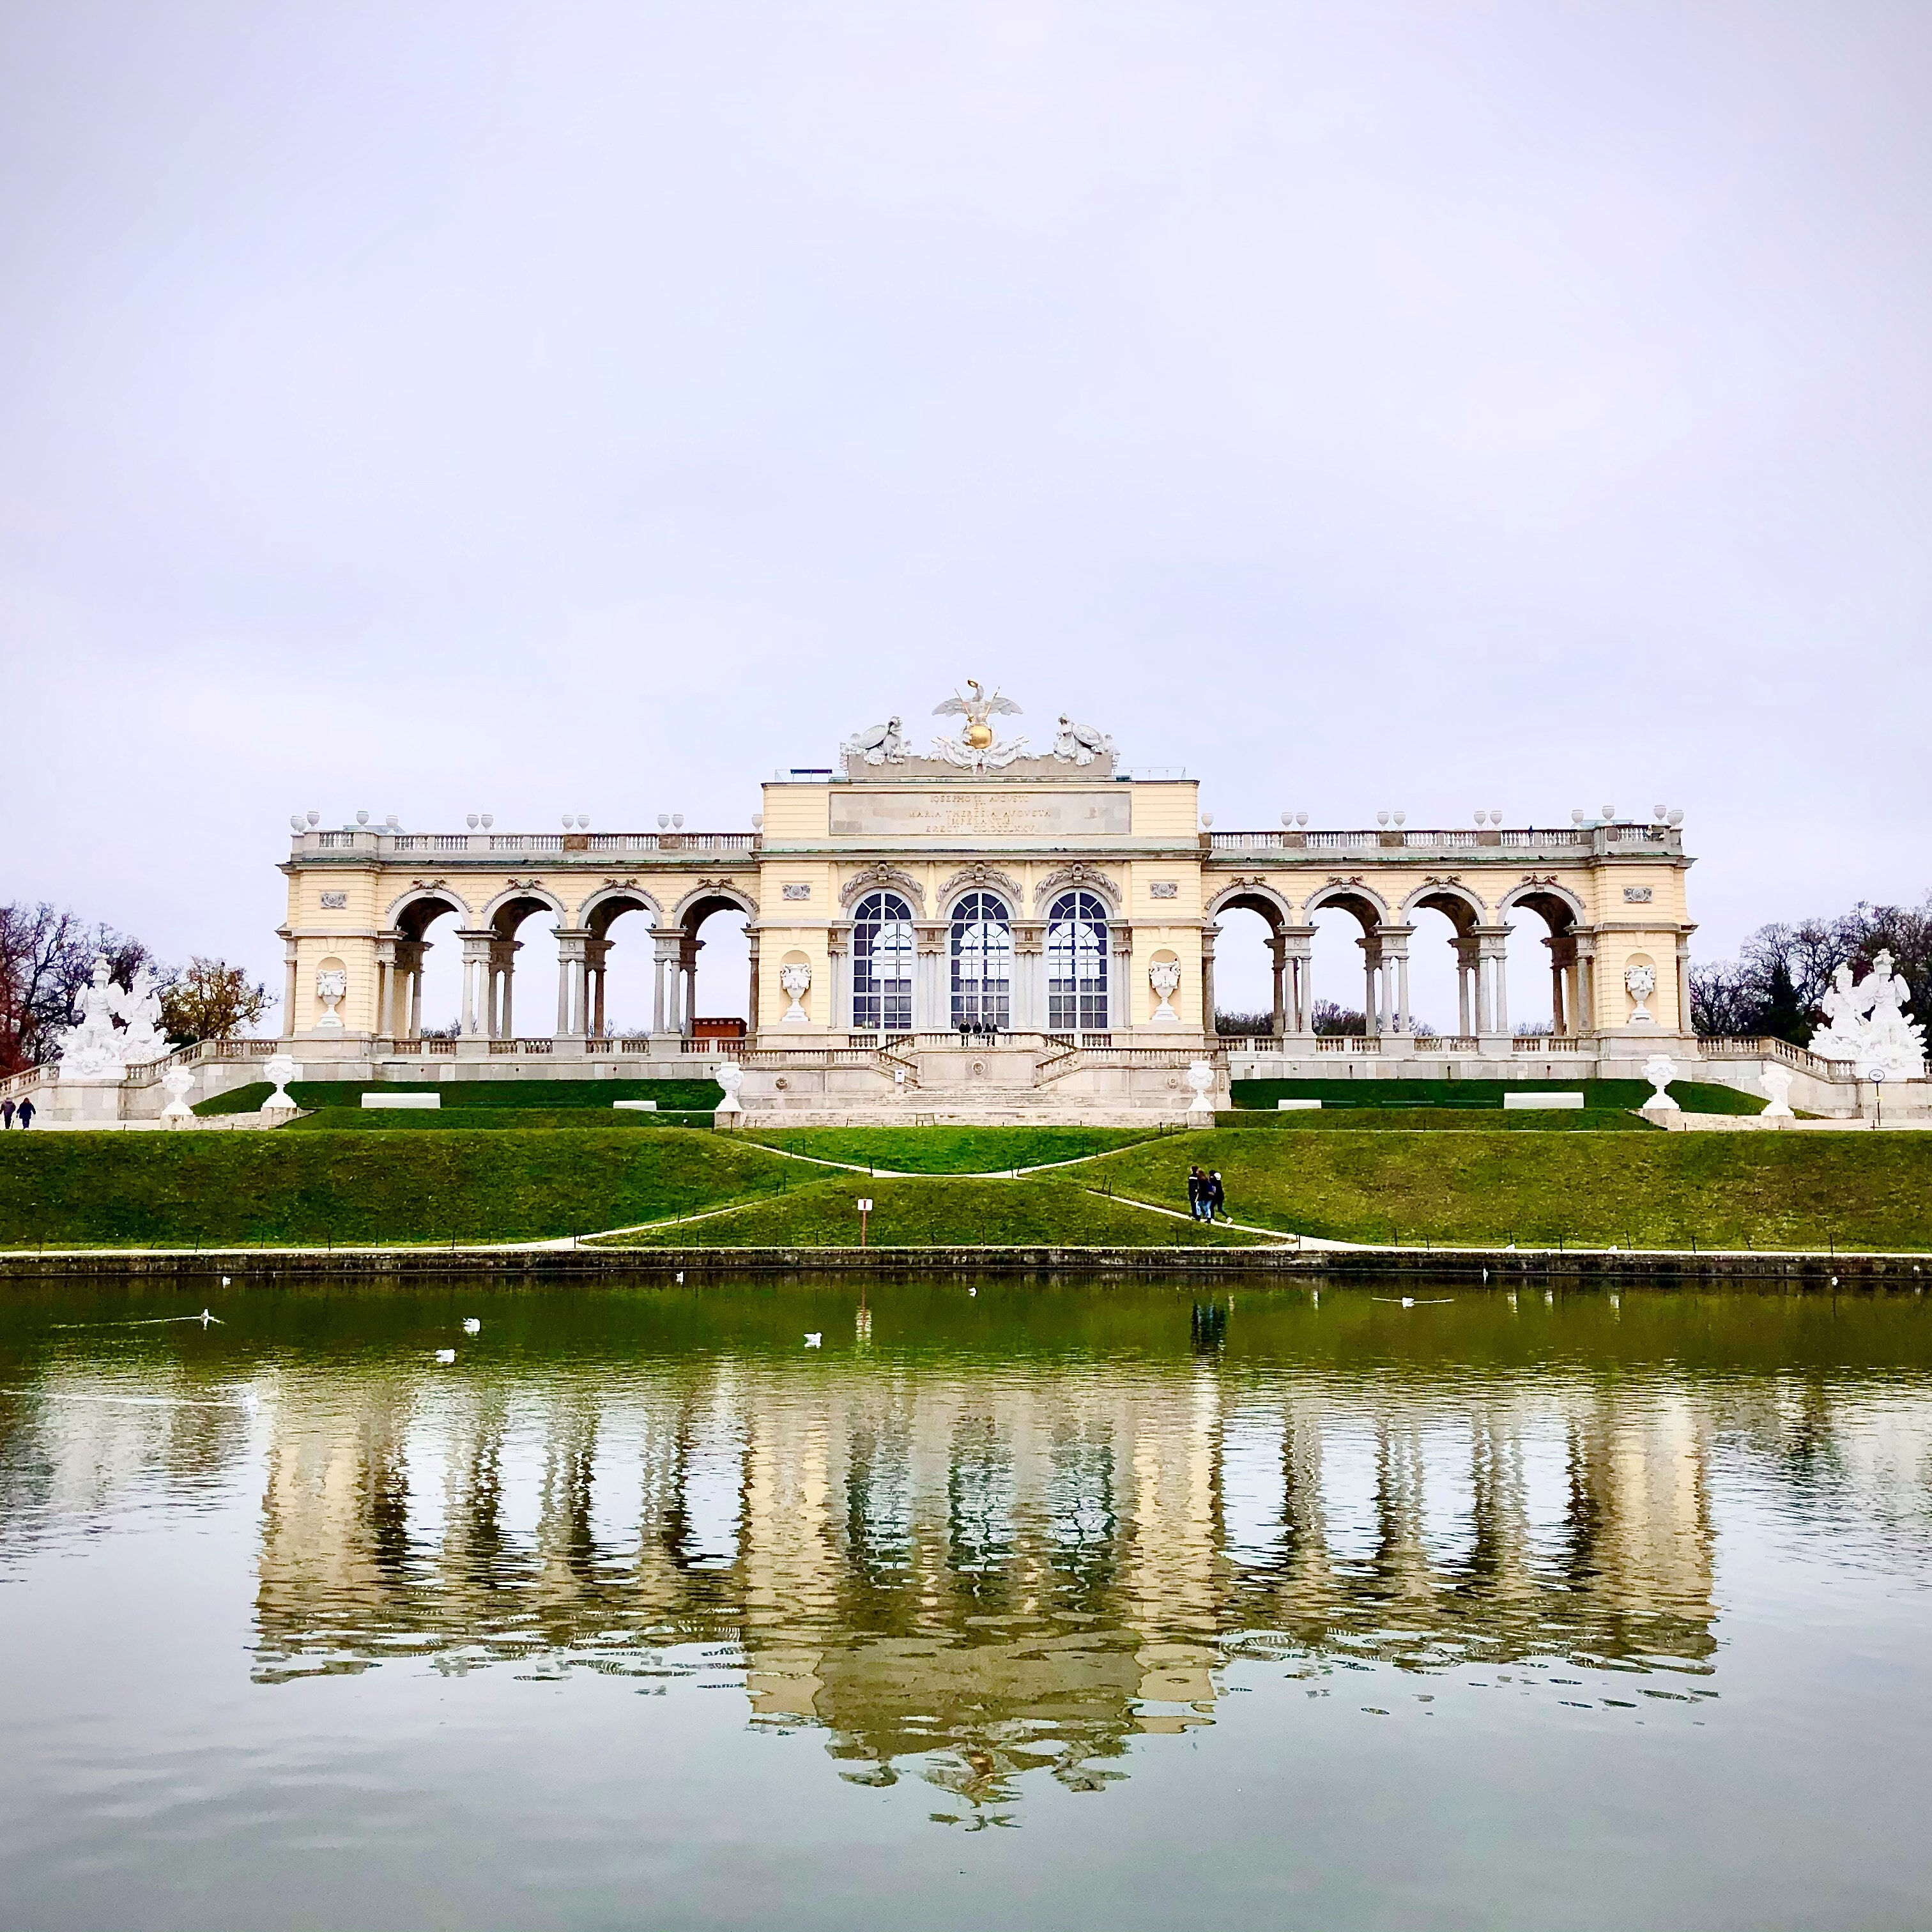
(980, 922)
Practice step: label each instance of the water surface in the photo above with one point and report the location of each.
(1084, 1605)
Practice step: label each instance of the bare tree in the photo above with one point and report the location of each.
(46, 958)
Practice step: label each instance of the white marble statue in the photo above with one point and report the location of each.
(731, 1076)
(1201, 1077)
(145, 1038)
(877, 744)
(332, 989)
(281, 1068)
(90, 1050)
(796, 982)
(977, 749)
(1660, 1069)
(1866, 1024)
(1776, 1081)
(1640, 982)
(1080, 744)
(1164, 976)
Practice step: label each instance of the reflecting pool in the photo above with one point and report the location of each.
(1068, 1604)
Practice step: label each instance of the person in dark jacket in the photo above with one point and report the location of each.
(1197, 1191)
(26, 1113)
(1217, 1196)
(7, 1111)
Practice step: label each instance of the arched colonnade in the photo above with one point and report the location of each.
(490, 945)
(1479, 934)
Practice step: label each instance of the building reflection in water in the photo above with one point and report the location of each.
(980, 1569)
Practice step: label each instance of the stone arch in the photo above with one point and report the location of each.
(883, 878)
(420, 907)
(1559, 908)
(510, 906)
(399, 955)
(1572, 992)
(611, 902)
(1367, 906)
(711, 895)
(1076, 878)
(980, 879)
(1251, 895)
(1455, 900)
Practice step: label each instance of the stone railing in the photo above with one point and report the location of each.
(379, 842)
(1714, 1046)
(1397, 840)
(1549, 1043)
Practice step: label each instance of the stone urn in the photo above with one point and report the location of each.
(795, 982)
(1164, 976)
(332, 989)
(1776, 1081)
(731, 1076)
(179, 1082)
(281, 1069)
(1201, 1077)
(1640, 982)
(1660, 1069)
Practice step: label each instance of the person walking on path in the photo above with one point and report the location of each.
(1197, 1191)
(1217, 1196)
(7, 1111)
(26, 1113)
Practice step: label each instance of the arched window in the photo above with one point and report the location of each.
(982, 962)
(1076, 963)
(882, 964)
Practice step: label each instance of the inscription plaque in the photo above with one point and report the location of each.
(913, 815)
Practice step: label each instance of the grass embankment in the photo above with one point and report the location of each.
(1590, 1190)
(951, 1150)
(140, 1190)
(336, 1105)
(1430, 1119)
(1694, 1096)
(1472, 1188)
(942, 1211)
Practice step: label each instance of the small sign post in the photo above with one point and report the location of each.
(1876, 1075)
(865, 1208)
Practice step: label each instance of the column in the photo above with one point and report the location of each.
(1372, 983)
(1121, 992)
(1492, 983)
(571, 1016)
(687, 965)
(751, 1001)
(1467, 1023)
(667, 943)
(1685, 1024)
(1028, 1011)
(1296, 942)
(476, 946)
(385, 967)
(415, 996)
(931, 1002)
(839, 955)
(596, 954)
(1210, 1025)
(1393, 943)
(1562, 961)
(1278, 963)
(1586, 983)
(291, 971)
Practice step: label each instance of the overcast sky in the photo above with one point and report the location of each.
(447, 408)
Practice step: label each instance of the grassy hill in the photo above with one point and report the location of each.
(1464, 1187)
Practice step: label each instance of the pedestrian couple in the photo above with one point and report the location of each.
(1206, 1196)
(8, 1111)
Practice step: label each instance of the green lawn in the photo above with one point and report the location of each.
(941, 1212)
(1434, 1120)
(951, 1150)
(170, 1189)
(576, 1097)
(1694, 1097)
(472, 1119)
(1726, 1190)
(1473, 1186)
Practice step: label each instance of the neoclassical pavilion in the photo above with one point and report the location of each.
(1050, 896)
